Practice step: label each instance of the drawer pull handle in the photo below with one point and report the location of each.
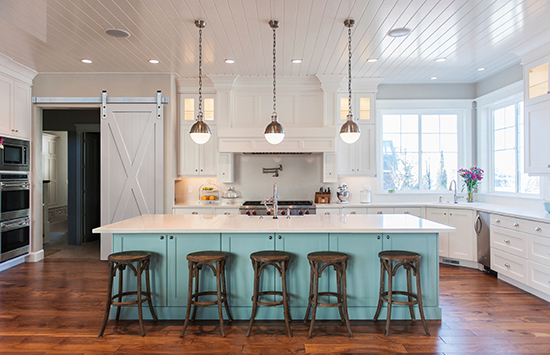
(516, 224)
(497, 220)
(507, 265)
(407, 212)
(353, 212)
(507, 241)
(227, 213)
(327, 213)
(379, 212)
(538, 229)
(194, 212)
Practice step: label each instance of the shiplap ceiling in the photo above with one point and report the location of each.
(52, 36)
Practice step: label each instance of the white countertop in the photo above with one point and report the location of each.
(245, 224)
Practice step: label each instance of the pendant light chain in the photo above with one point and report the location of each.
(349, 71)
(274, 73)
(200, 73)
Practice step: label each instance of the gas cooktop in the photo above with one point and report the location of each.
(281, 203)
(297, 208)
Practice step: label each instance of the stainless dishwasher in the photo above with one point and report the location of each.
(482, 227)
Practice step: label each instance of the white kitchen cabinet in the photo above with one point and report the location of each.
(328, 211)
(359, 158)
(462, 244)
(537, 144)
(15, 108)
(225, 210)
(197, 159)
(193, 210)
(414, 211)
(536, 79)
(380, 210)
(363, 107)
(441, 216)
(225, 168)
(330, 172)
(354, 210)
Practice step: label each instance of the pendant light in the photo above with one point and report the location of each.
(200, 132)
(350, 131)
(274, 132)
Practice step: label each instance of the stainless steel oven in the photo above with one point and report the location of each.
(15, 155)
(14, 238)
(14, 196)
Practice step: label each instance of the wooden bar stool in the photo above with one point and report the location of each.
(409, 261)
(120, 261)
(339, 261)
(196, 262)
(280, 260)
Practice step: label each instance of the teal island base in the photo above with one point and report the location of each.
(169, 271)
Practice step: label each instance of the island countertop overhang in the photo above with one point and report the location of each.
(164, 224)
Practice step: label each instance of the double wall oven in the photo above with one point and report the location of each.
(14, 199)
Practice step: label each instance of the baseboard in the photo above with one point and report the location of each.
(465, 263)
(12, 262)
(524, 287)
(35, 256)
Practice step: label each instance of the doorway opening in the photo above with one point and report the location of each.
(71, 173)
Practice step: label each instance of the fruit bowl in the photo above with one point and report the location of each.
(209, 193)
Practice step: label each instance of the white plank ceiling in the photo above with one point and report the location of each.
(52, 36)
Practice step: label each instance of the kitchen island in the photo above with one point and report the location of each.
(171, 237)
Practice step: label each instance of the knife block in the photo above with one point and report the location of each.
(322, 198)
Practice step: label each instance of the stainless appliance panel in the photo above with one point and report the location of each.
(15, 155)
(14, 196)
(14, 238)
(482, 227)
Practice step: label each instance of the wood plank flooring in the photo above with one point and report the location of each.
(56, 307)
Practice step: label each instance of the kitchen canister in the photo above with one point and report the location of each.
(365, 196)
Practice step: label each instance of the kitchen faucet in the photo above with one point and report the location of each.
(451, 189)
(275, 201)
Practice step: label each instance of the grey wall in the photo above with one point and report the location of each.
(501, 79)
(425, 91)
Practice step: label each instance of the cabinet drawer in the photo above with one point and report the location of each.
(536, 228)
(328, 211)
(354, 210)
(509, 241)
(539, 277)
(539, 250)
(498, 220)
(415, 211)
(227, 211)
(509, 265)
(201, 210)
(383, 210)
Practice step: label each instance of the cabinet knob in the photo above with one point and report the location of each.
(353, 212)
(280, 237)
(223, 173)
(202, 170)
(497, 220)
(227, 213)
(407, 212)
(161, 237)
(197, 170)
(171, 237)
(194, 212)
(538, 229)
(516, 224)
(330, 173)
(507, 241)
(379, 212)
(270, 237)
(388, 237)
(327, 213)
(507, 265)
(445, 213)
(378, 237)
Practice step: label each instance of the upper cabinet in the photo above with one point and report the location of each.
(15, 108)
(363, 108)
(536, 77)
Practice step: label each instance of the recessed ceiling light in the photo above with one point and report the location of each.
(399, 32)
(153, 61)
(117, 33)
(296, 61)
(87, 61)
(480, 69)
(230, 61)
(440, 60)
(433, 77)
(372, 60)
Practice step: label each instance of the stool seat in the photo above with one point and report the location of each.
(270, 255)
(129, 256)
(327, 257)
(210, 256)
(399, 255)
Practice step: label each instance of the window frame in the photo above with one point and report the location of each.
(464, 150)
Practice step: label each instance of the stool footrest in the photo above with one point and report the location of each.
(129, 303)
(195, 296)
(323, 304)
(384, 298)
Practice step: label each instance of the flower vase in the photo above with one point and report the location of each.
(470, 197)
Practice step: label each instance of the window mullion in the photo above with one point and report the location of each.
(420, 176)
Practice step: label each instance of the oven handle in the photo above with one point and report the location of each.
(20, 185)
(9, 225)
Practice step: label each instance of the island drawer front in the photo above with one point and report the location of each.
(539, 250)
(539, 277)
(509, 265)
(509, 241)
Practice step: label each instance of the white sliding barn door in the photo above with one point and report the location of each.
(131, 165)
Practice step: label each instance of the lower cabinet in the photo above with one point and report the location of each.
(462, 243)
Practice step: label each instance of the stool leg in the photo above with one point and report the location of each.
(288, 298)
(255, 265)
(379, 307)
(310, 297)
(315, 297)
(219, 290)
(389, 267)
(197, 273)
(339, 291)
(409, 291)
(121, 269)
(108, 305)
(148, 287)
(189, 297)
(225, 293)
(139, 296)
(285, 299)
(345, 299)
(419, 294)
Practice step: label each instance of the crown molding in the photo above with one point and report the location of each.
(17, 71)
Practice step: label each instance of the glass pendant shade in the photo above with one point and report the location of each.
(274, 132)
(350, 131)
(200, 132)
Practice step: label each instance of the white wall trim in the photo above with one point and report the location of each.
(34, 257)
(423, 104)
(17, 71)
(502, 94)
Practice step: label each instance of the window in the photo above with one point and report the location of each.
(420, 151)
(508, 154)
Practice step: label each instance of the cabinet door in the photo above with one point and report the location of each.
(346, 157)
(330, 173)
(22, 110)
(156, 244)
(188, 154)
(6, 95)
(208, 165)
(225, 168)
(537, 144)
(299, 245)
(179, 245)
(363, 267)
(240, 275)
(365, 163)
(440, 215)
(463, 242)
(536, 75)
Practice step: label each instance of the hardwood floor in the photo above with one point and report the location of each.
(56, 307)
